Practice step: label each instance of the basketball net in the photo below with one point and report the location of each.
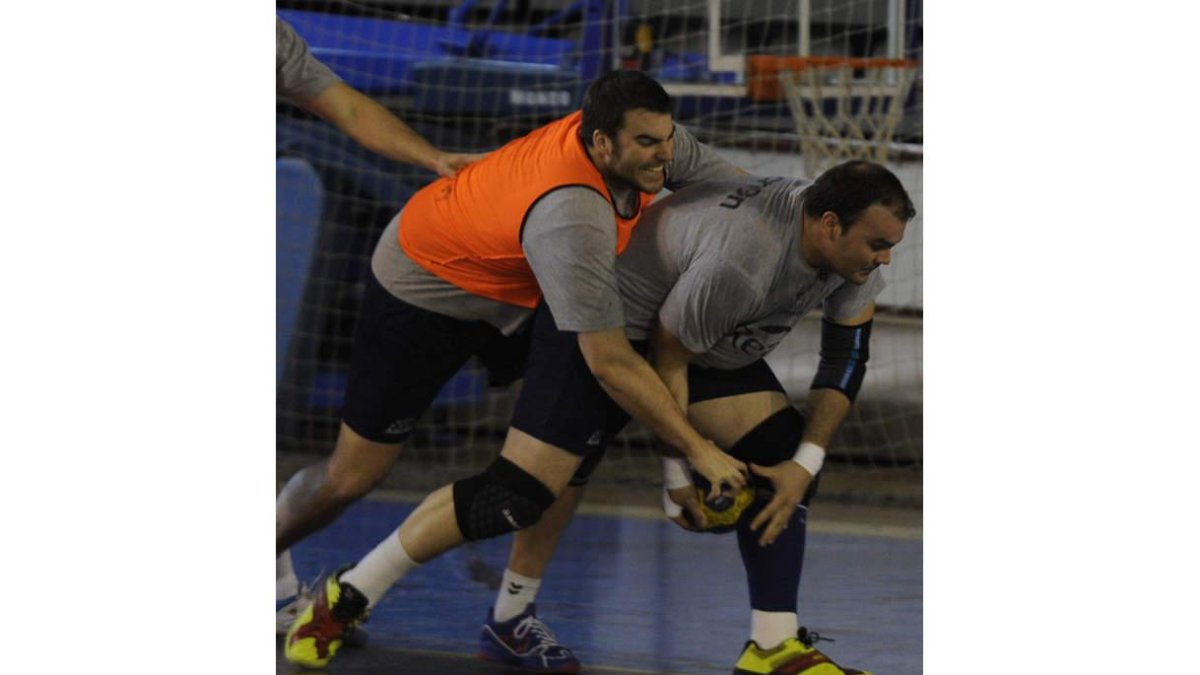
(844, 108)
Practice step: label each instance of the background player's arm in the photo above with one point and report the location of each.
(827, 409)
(375, 128)
(310, 84)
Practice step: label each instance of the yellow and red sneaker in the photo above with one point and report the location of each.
(318, 633)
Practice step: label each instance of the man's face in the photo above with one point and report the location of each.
(643, 146)
(856, 251)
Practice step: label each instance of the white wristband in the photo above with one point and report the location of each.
(675, 473)
(671, 508)
(810, 457)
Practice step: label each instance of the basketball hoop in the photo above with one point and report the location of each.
(844, 108)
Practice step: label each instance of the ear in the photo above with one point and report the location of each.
(602, 142)
(831, 225)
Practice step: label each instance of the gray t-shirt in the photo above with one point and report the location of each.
(299, 76)
(570, 241)
(719, 265)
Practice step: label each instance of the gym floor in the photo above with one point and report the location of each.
(630, 592)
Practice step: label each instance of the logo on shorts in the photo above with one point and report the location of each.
(401, 426)
(596, 437)
(509, 517)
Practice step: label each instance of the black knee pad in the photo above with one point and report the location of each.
(504, 498)
(774, 440)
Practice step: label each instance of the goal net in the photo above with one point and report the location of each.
(472, 75)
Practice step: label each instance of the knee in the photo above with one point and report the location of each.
(346, 484)
(357, 466)
(503, 499)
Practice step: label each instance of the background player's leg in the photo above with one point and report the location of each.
(316, 495)
(313, 498)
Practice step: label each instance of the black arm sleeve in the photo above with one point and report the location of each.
(844, 353)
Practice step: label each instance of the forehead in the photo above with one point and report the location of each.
(879, 221)
(641, 121)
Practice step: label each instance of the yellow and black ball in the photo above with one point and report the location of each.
(723, 513)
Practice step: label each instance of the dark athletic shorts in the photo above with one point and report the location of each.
(402, 356)
(562, 404)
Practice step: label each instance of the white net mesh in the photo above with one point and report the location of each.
(471, 76)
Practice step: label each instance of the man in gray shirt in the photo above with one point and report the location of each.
(714, 278)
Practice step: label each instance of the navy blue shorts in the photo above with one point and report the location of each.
(562, 404)
(403, 355)
(705, 384)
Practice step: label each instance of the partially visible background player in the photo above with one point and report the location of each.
(303, 80)
(463, 265)
(715, 277)
(310, 84)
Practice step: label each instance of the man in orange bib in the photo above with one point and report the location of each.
(522, 241)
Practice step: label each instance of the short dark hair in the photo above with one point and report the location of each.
(612, 94)
(850, 188)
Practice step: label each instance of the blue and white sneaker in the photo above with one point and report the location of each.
(525, 642)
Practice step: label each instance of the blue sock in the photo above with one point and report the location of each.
(773, 572)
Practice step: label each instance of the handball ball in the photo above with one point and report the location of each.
(723, 513)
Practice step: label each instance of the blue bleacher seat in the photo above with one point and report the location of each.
(298, 203)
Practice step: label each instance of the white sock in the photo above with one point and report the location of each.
(286, 583)
(769, 629)
(386, 564)
(516, 592)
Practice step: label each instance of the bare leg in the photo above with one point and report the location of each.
(432, 529)
(532, 549)
(534, 546)
(725, 420)
(319, 493)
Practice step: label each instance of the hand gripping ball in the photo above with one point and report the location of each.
(724, 512)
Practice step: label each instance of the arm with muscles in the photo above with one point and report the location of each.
(688, 326)
(630, 381)
(375, 128)
(310, 84)
(844, 353)
(670, 360)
